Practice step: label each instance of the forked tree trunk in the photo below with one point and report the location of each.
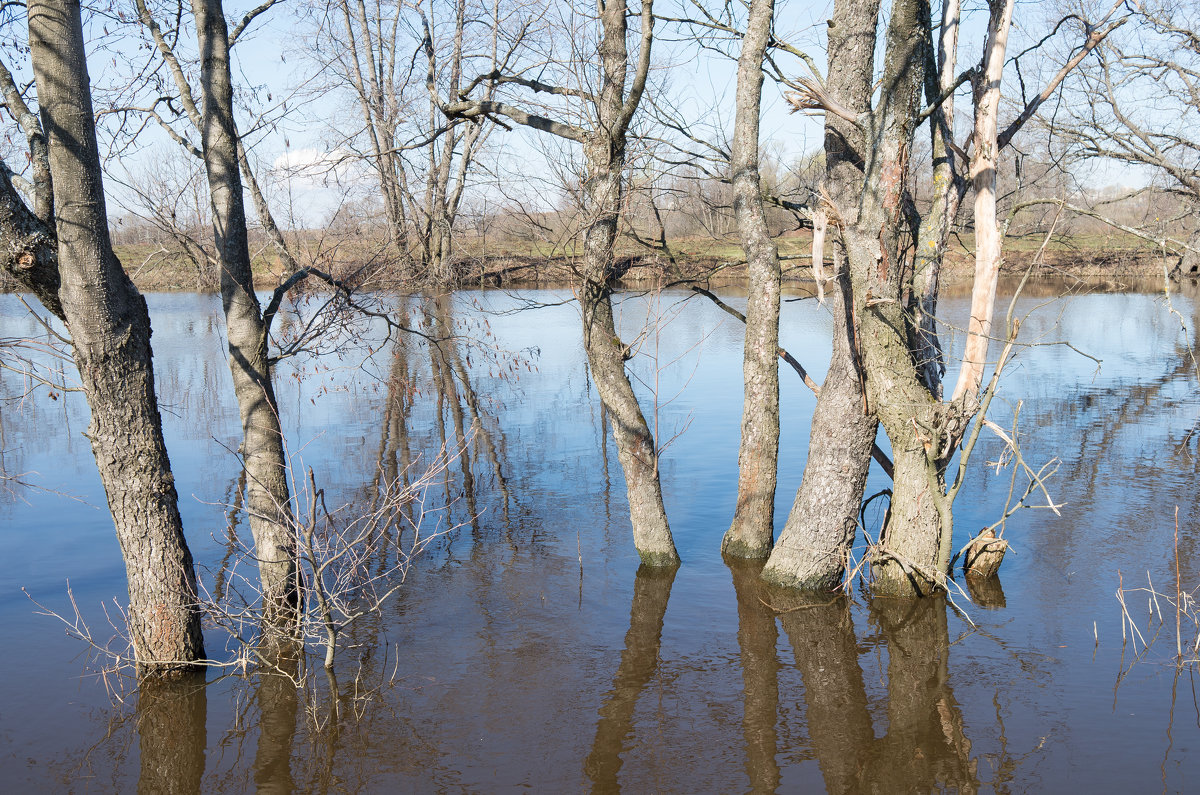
(907, 560)
(815, 542)
(750, 535)
(110, 330)
(914, 553)
(263, 455)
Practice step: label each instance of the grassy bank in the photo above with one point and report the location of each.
(515, 263)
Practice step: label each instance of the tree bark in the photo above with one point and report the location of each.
(906, 559)
(605, 154)
(815, 543)
(987, 230)
(110, 330)
(750, 535)
(948, 191)
(262, 450)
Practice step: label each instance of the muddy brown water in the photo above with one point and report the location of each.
(527, 651)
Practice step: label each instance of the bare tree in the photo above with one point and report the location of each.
(1137, 102)
(375, 50)
(606, 110)
(63, 252)
(750, 535)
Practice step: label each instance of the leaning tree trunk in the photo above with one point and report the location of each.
(110, 330)
(262, 445)
(815, 542)
(604, 150)
(606, 357)
(750, 534)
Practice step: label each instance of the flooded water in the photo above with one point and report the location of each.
(527, 651)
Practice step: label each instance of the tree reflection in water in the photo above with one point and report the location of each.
(639, 662)
(924, 746)
(171, 719)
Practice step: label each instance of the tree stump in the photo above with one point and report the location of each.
(984, 554)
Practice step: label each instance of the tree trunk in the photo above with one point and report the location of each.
(750, 534)
(815, 543)
(948, 191)
(262, 448)
(907, 558)
(604, 150)
(987, 230)
(635, 443)
(110, 329)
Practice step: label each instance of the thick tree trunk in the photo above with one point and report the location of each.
(815, 543)
(110, 329)
(750, 534)
(907, 560)
(262, 448)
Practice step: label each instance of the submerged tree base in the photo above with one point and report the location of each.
(737, 547)
(659, 560)
(798, 579)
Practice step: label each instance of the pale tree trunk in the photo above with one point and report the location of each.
(815, 543)
(750, 534)
(987, 230)
(820, 219)
(110, 331)
(263, 454)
